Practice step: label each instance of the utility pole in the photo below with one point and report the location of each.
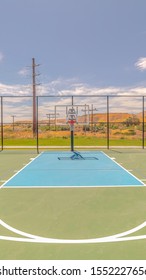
(34, 65)
(92, 115)
(86, 110)
(51, 115)
(13, 122)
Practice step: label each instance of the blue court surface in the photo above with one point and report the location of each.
(72, 169)
(77, 169)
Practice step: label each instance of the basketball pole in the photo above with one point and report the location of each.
(72, 137)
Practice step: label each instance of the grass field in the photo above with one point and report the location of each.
(82, 213)
(79, 141)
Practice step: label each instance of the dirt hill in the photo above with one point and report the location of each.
(114, 117)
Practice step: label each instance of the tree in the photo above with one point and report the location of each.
(134, 120)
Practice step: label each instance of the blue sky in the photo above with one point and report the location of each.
(94, 41)
(82, 45)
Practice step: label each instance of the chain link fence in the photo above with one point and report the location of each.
(103, 121)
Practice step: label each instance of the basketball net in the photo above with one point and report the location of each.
(71, 123)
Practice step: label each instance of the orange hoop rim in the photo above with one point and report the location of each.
(71, 122)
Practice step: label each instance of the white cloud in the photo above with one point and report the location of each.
(1, 56)
(23, 72)
(60, 89)
(12, 90)
(141, 63)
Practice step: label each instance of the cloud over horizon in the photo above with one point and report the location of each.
(63, 87)
(62, 90)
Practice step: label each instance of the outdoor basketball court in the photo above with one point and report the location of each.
(77, 204)
(73, 169)
(73, 205)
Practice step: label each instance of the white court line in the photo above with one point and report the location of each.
(74, 187)
(17, 172)
(123, 168)
(38, 239)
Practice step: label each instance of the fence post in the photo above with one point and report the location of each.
(2, 127)
(143, 122)
(108, 135)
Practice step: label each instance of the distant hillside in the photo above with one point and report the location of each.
(99, 117)
(114, 117)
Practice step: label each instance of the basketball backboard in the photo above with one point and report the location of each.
(78, 113)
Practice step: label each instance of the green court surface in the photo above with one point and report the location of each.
(68, 223)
